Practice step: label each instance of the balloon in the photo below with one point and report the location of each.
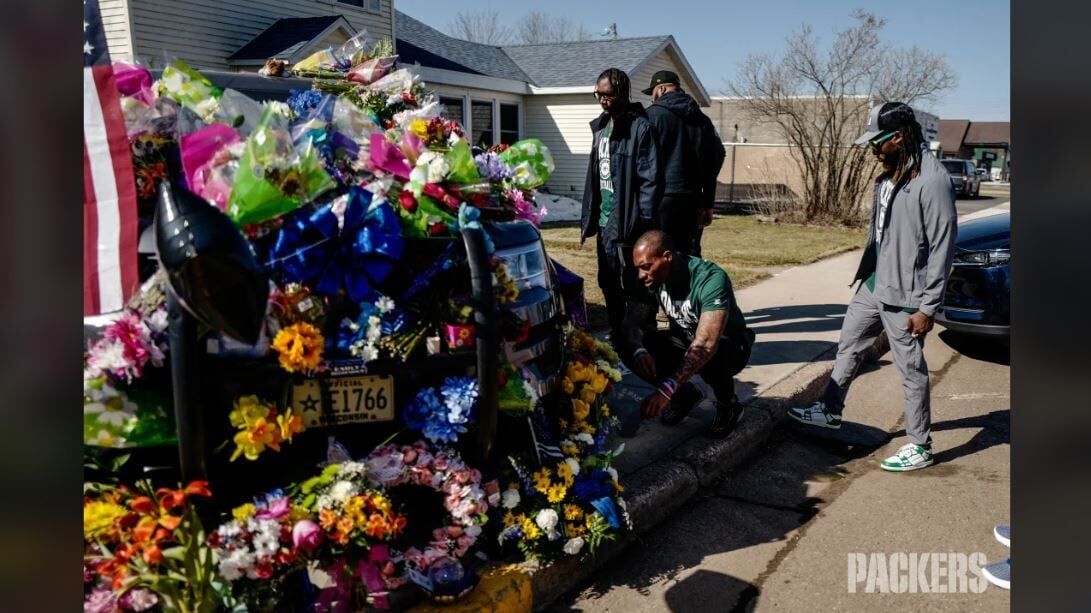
(211, 267)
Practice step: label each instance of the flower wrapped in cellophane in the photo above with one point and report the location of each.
(273, 176)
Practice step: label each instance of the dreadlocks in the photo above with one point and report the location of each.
(618, 80)
(912, 149)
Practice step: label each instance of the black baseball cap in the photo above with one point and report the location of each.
(887, 117)
(663, 76)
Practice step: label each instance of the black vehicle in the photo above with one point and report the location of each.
(978, 295)
(963, 177)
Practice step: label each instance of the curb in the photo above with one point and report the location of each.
(655, 491)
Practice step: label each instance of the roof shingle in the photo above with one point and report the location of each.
(581, 62)
(989, 132)
(284, 37)
(419, 42)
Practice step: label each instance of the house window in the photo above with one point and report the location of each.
(481, 123)
(375, 6)
(509, 123)
(452, 109)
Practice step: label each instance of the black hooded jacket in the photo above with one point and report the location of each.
(634, 166)
(690, 151)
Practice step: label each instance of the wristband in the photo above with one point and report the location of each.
(668, 387)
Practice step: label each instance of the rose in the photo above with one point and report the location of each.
(306, 535)
(547, 519)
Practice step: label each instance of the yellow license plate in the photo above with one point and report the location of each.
(353, 400)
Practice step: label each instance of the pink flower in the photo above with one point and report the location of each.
(306, 535)
(275, 509)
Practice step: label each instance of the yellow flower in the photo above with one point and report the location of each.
(243, 512)
(573, 512)
(253, 441)
(587, 428)
(530, 529)
(300, 347)
(542, 480)
(99, 517)
(564, 472)
(419, 127)
(570, 449)
(617, 485)
(510, 519)
(580, 410)
(588, 395)
(573, 530)
(605, 410)
(248, 409)
(598, 382)
(556, 494)
(567, 386)
(289, 424)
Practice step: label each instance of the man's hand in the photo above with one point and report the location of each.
(919, 324)
(704, 217)
(654, 405)
(644, 366)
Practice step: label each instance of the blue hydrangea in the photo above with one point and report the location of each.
(419, 412)
(303, 101)
(460, 398)
(442, 431)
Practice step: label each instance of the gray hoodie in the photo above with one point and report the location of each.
(914, 258)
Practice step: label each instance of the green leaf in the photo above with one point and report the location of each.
(175, 553)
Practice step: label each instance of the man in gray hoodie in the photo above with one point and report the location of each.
(903, 271)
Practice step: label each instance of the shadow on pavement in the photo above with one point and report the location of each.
(978, 347)
(818, 318)
(706, 590)
(786, 352)
(994, 429)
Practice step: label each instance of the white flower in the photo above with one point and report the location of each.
(547, 520)
(207, 108)
(114, 418)
(473, 531)
(573, 546)
(385, 304)
(369, 353)
(157, 321)
(374, 330)
(109, 355)
(342, 491)
(142, 599)
(235, 563)
(337, 207)
(279, 108)
(510, 499)
(574, 465)
(586, 438)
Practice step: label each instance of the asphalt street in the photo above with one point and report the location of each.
(991, 195)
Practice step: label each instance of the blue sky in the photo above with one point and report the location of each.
(974, 35)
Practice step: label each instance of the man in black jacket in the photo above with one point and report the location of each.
(622, 192)
(691, 155)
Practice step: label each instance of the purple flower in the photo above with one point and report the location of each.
(139, 599)
(492, 168)
(275, 508)
(101, 600)
(306, 535)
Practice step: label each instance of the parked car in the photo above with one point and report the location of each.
(977, 298)
(983, 174)
(963, 177)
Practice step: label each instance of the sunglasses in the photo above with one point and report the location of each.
(878, 140)
(601, 96)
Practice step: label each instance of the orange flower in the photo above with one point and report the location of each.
(300, 347)
(327, 519)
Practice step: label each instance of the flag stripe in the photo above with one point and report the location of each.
(105, 196)
(124, 180)
(90, 240)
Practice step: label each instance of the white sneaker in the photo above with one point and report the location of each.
(998, 573)
(1003, 534)
(910, 457)
(816, 415)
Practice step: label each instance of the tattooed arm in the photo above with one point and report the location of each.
(705, 341)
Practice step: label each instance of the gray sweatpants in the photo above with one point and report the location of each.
(864, 319)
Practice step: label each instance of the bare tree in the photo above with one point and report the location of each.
(537, 27)
(819, 99)
(480, 26)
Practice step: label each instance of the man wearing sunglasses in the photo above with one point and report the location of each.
(903, 271)
(621, 194)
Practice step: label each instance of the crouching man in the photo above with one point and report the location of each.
(707, 336)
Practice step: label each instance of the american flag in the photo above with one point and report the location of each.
(109, 191)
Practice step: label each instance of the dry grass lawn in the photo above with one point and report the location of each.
(748, 250)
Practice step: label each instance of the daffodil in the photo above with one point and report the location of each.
(580, 410)
(248, 409)
(567, 386)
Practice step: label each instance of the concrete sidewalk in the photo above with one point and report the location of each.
(797, 317)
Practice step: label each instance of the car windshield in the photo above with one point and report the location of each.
(954, 167)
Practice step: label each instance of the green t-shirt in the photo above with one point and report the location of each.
(700, 287)
(606, 179)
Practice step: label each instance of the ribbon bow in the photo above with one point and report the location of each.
(358, 253)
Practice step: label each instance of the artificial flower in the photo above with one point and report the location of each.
(573, 546)
(300, 347)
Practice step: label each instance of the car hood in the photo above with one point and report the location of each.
(992, 232)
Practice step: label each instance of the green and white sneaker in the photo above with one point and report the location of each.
(909, 457)
(816, 415)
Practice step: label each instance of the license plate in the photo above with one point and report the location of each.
(353, 400)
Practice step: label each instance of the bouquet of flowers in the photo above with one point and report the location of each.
(263, 542)
(261, 427)
(145, 548)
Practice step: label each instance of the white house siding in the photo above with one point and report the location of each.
(115, 21)
(561, 122)
(205, 32)
(663, 60)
